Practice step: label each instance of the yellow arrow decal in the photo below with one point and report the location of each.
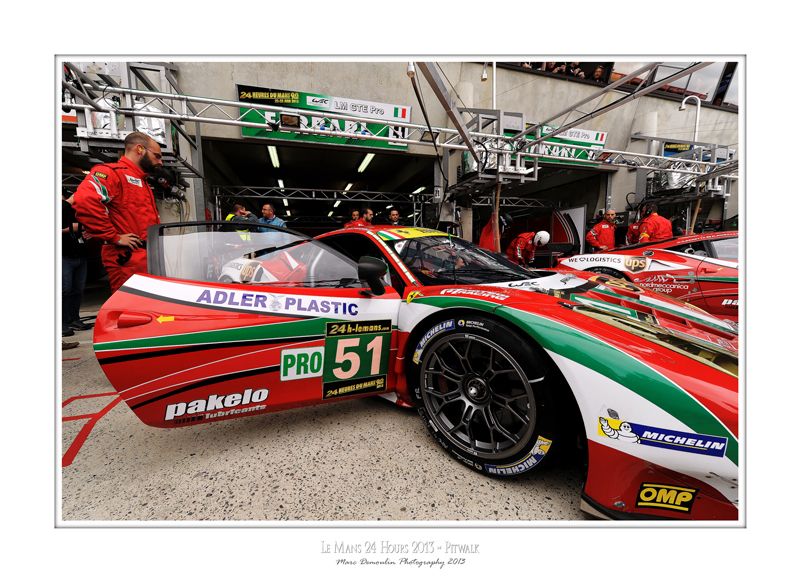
(164, 318)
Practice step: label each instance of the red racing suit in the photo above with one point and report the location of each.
(655, 228)
(632, 236)
(355, 223)
(114, 199)
(601, 234)
(521, 249)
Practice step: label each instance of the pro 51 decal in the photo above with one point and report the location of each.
(356, 357)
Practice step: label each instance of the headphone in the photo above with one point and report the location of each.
(647, 210)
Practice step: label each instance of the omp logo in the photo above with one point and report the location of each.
(635, 264)
(666, 497)
(216, 402)
(301, 363)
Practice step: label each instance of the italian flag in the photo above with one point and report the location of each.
(400, 112)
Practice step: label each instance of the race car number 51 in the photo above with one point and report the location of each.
(356, 357)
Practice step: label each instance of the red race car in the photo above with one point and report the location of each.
(506, 366)
(701, 269)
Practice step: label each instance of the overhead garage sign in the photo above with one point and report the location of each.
(559, 145)
(318, 106)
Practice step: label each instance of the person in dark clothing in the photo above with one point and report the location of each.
(74, 266)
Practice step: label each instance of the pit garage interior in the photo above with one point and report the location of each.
(314, 186)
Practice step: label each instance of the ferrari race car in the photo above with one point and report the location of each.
(701, 269)
(503, 364)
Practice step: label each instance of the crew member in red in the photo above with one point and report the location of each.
(654, 228)
(601, 235)
(632, 236)
(355, 219)
(115, 205)
(522, 248)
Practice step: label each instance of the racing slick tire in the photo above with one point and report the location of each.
(610, 272)
(484, 394)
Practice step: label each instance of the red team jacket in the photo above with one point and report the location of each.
(114, 199)
(632, 236)
(601, 234)
(655, 228)
(521, 249)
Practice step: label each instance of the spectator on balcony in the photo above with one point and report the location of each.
(597, 76)
(573, 70)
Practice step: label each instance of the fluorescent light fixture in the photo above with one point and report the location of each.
(288, 213)
(285, 201)
(390, 206)
(280, 183)
(335, 204)
(273, 155)
(346, 188)
(418, 190)
(365, 163)
(330, 214)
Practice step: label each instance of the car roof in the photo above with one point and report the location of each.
(679, 240)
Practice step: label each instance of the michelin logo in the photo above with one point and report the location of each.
(431, 333)
(662, 438)
(526, 464)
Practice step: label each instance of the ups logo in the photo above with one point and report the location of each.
(666, 497)
(635, 264)
(248, 271)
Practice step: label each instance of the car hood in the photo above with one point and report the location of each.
(618, 300)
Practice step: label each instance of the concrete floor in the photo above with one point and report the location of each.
(363, 460)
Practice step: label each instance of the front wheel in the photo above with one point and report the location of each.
(484, 394)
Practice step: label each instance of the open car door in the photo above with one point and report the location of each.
(234, 323)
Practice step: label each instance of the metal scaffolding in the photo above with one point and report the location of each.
(506, 160)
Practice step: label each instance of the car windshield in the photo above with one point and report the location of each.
(442, 260)
(255, 256)
(726, 248)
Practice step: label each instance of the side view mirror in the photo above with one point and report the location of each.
(372, 270)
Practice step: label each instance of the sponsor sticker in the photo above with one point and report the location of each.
(470, 323)
(687, 442)
(134, 181)
(356, 357)
(529, 462)
(430, 334)
(301, 363)
(413, 295)
(475, 293)
(218, 405)
(248, 271)
(101, 175)
(666, 497)
(635, 264)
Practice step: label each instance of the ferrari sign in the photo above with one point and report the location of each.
(317, 106)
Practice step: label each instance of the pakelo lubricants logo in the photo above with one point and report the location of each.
(669, 497)
(635, 264)
(218, 403)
